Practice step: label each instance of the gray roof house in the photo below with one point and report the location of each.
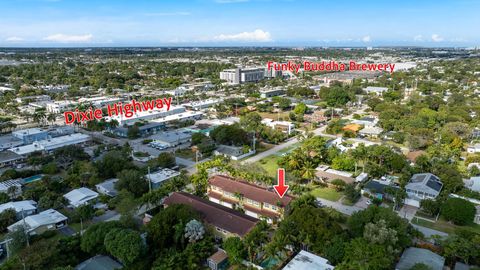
(108, 187)
(422, 186)
(99, 262)
(412, 256)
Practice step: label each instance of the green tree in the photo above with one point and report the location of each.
(460, 211)
(132, 181)
(251, 122)
(7, 218)
(93, 238)
(235, 249)
(124, 244)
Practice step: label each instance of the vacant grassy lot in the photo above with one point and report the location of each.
(327, 194)
(444, 226)
(270, 164)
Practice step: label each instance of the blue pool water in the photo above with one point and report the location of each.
(270, 262)
(32, 178)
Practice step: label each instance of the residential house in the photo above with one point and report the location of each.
(108, 187)
(370, 131)
(352, 128)
(99, 262)
(375, 90)
(422, 186)
(225, 221)
(325, 174)
(379, 189)
(316, 117)
(44, 221)
(284, 126)
(159, 177)
(81, 196)
(12, 187)
(233, 152)
(413, 255)
(21, 208)
(305, 260)
(366, 121)
(218, 261)
(475, 148)
(256, 201)
(473, 183)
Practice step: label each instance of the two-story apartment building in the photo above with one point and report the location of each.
(255, 201)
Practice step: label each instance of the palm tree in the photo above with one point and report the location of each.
(52, 118)
(308, 170)
(39, 116)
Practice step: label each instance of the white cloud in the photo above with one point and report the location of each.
(418, 38)
(69, 38)
(257, 35)
(366, 39)
(14, 39)
(178, 13)
(436, 38)
(230, 1)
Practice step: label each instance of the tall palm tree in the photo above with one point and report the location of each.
(308, 170)
(39, 116)
(52, 118)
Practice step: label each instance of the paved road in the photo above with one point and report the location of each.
(271, 151)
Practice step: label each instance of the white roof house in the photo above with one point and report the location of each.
(157, 178)
(80, 196)
(6, 185)
(371, 131)
(306, 261)
(377, 90)
(51, 219)
(108, 187)
(473, 183)
(19, 206)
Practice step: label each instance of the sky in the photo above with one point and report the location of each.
(87, 23)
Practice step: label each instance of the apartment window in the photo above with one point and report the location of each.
(252, 202)
(270, 206)
(228, 194)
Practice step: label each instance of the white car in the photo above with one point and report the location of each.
(369, 202)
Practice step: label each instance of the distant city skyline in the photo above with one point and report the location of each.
(88, 23)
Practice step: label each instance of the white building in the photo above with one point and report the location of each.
(49, 145)
(147, 115)
(159, 177)
(108, 187)
(203, 104)
(422, 186)
(12, 187)
(475, 148)
(21, 208)
(376, 90)
(308, 261)
(36, 224)
(284, 126)
(473, 183)
(99, 101)
(242, 75)
(60, 106)
(80, 196)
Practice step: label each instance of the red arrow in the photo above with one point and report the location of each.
(281, 188)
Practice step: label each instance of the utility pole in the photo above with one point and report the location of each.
(25, 228)
(149, 181)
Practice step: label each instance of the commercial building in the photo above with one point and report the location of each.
(61, 106)
(44, 221)
(203, 104)
(49, 145)
(145, 130)
(305, 260)
(422, 186)
(8, 158)
(256, 201)
(99, 101)
(146, 115)
(172, 138)
(242, 75)
(159, 177)
(31, 135)
(80, 196)
(268, 93)
(226, 222)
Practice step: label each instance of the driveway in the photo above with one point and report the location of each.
(407, 212)
(67, 230)
(344, 209)
(430, 232)
(107, 216)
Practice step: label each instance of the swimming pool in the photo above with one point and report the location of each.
(32, 178)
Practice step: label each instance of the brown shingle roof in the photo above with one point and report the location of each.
(218, 256)
(248, 190)
(215, 214)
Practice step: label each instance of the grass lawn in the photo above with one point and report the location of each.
(444, 226)
(327, 194)
(275, 116)
(185, 153)
(270, 164)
